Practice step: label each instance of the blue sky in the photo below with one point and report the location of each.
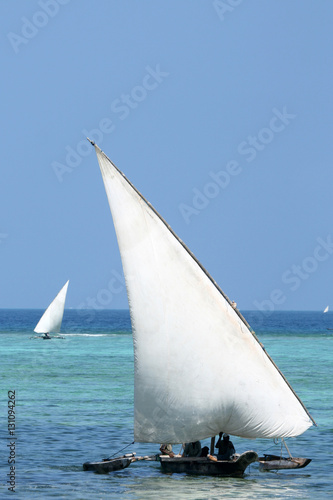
(220, 112)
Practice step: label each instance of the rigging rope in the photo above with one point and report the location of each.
(109, 458)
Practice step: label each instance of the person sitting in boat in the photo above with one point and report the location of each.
(46, 336)
(166, 449)
(192, 449)
(204, 451)
(225, 447)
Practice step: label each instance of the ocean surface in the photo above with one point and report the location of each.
(74, 403)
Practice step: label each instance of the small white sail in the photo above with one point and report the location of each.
(326, 309)
(51, 320)
(199, 369)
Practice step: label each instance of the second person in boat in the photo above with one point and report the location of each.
(225, 447)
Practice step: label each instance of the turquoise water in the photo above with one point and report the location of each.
(74, 403)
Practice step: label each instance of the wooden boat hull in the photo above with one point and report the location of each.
(274, 462)
(207, 466)
(108, 465)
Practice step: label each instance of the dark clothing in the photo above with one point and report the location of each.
(225, 447)
(204, 451)
(192, 449)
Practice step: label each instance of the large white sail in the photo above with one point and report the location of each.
(51, 320)
(199, 369)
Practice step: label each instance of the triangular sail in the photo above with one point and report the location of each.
(326, 309)
(199, 369)
(51, 320)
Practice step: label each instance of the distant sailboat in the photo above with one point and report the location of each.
(326, 309)
(182, 323)
(51, 320)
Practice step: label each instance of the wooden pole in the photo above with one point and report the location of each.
(212, 444)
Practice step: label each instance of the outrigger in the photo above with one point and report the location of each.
(276, 462)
